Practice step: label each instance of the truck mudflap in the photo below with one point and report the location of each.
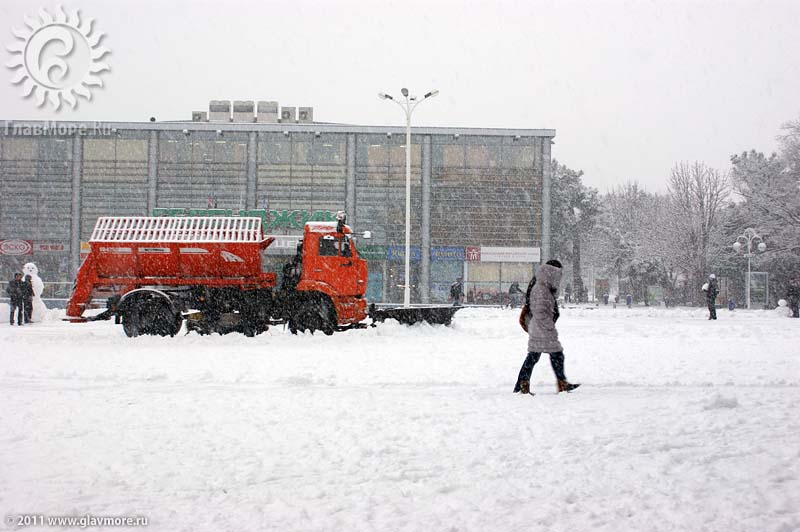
(433, 314)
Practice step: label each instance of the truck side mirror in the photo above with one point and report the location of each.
(367, 235)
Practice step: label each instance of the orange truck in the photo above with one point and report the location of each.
(156, 272)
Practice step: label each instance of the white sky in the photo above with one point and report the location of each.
(630, 87)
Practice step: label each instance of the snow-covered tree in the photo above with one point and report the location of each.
(771, 193)
(629, 231)
(768, 190)
(574, 209)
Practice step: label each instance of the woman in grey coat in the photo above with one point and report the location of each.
(542, 333)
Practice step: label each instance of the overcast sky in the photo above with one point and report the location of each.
(630, 87)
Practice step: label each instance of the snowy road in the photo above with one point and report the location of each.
(681, 424)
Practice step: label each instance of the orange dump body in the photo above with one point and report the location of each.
(184, 260)
(130, 252)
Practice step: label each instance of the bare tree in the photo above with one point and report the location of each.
(698, 194)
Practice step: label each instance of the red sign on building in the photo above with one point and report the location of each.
(473, 253)
(48, 246)
(16, 247)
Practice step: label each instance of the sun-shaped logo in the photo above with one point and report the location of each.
(57, 58)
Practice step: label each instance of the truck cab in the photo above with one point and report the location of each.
(329, 291)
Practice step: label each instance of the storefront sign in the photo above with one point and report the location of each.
(399, 253)
(283, 245)
(48, 246)
(271, 219)
(495, 254)
(297, 219)
(85, 249)
(448, 253)
(370, 252)
(180, 211)
(16, 247)
(473, 253)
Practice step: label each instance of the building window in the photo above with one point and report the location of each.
(99, 149)
(518, 156)
(274, 148)
(483, 156)
(329, 149)
(301, 152)
(453, 156)
(20, 149)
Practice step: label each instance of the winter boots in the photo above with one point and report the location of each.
(561, 386)
(564, 386)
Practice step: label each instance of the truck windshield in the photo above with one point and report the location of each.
(328, 246)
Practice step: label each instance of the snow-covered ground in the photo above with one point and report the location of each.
(681, 425)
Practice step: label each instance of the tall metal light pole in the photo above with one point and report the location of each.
(748, 237)
(408, 105)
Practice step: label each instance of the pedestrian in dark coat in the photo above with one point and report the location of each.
(542, 333)
(16, 293)
(515, 294)
(711, 296)
(27, 297)
(457, 292)
(794, 297)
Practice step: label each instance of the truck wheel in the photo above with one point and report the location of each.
(251, 329)
(130, 323)
(313, 314)
(152, 316)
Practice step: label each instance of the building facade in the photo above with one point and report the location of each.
(479, 197)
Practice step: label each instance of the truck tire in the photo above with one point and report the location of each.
(254, 317)
(314, 313)
(150, 315)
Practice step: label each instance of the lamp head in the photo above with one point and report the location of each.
(384, 96)
(433, 93)
(737, 246)
(404, 91)
(762, 246)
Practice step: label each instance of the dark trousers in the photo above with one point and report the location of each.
(712, 310)
(19, 308)
(795, 309)
(556, 361)
(28, 310)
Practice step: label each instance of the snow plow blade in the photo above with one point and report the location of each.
(436, 315)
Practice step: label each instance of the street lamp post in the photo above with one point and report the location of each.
(747, 238)
(408, 105)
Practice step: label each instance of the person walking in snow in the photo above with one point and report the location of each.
(515, 294)
(457, 292)
(16, 293)
(27, 297)
(711, 296)
(542, 333)
(794, 297)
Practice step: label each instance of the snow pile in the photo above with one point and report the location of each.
(720, 401)
(681, 424)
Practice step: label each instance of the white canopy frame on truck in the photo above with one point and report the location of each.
(141, 229)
